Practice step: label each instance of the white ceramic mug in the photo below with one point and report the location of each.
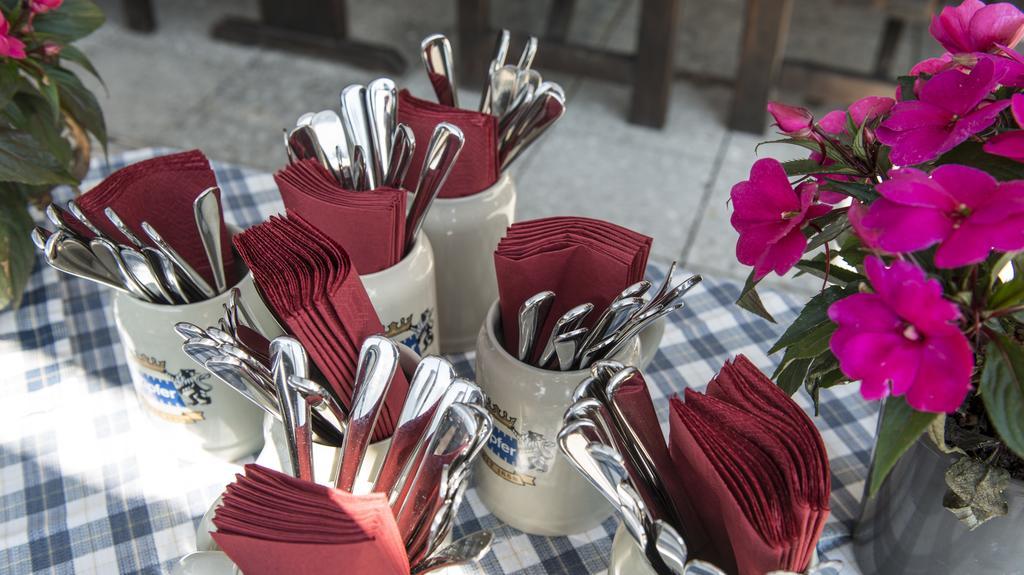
(405, 297)
(464, 232)
(522, 477)
(275, 456)
(180, 394)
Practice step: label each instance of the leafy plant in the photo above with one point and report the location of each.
(47, 117)
(911, 212)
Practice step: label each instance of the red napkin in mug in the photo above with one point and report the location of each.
(580, 259)
(271, 523)
(369, 225)
(478, 167)
(309, 282)
(159, 191)
(754, 468)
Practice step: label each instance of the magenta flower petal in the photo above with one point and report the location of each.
(769, 215)
(791, 120)
(959, 93)
(834, 122)
(869, 108)
(944, 375)
(897, 340)
(969, 186)
(913, 187)
(1008, 144)
(902, 228)
(999, 23)
(865, 312)
(951, 27)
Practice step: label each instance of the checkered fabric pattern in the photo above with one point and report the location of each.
(87, 485)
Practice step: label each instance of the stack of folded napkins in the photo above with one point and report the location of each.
(754, 468)
(309, 282)
(478, 167)
(582, 260)
(271, 523)
(371, 225)
(159, 191)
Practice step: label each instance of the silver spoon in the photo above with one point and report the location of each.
(442, 151)
(79, 215)
(138, 266)
(207, 212)
(382, 117)
(569, 321)
(500, 55)
(402, 149)
(73, 257)
(532, 314)
(463, 551)
(436, 51)
(187, 271)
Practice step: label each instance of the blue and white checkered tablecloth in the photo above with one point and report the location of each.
(87, 485)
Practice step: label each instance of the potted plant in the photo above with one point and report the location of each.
(46, 119)
(911, 211)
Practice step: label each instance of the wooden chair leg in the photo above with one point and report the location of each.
(891, 35)
(474, 43)
(656, 42)
(763, 43)
(139, 14)
(559, 17)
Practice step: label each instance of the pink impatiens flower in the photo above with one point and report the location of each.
(791, 120)
(903, 339)
(863, 110)
(964, 210)
(952, 107)
(974, 26)
(769, 214)
(10, 47)
(1010, 144)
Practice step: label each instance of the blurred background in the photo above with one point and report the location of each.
(665, 98)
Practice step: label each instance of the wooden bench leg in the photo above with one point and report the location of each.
(763, 43)
(656, 43)
(139, 14)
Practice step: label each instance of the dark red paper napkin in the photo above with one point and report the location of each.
(309, 282)
(159, 191)
(754, 468)
(580, 259)
(478, 167)
(369, 225)
(271, 523)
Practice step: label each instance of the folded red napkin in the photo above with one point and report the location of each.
(309, 282)
(159, 191)
(580, 259)
(369, 225)
(271, 523)
(478, 167)
(755, 469)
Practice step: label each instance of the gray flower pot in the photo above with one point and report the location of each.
(904, 528)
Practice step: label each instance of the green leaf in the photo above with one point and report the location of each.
(802, 167)
(30, 114)
(80, 103)
(862, 192)
(975, 493)
(836, 274)
(75, 55)
(22, 159)
(48, 89)
(9, 81)
(900, 427)
(907, 88)
(750, 301)
(827, 234)
(858, 142)
(971, 154)
(1007, 294)
(808, 144)
(1002, 389)
(813, 316)
(16, 249)
(75, 19)
(793, 376)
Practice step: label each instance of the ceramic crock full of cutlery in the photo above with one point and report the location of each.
(572, 292)
(419, 476)
(154, 233)
(347, 175)
(466, 221)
